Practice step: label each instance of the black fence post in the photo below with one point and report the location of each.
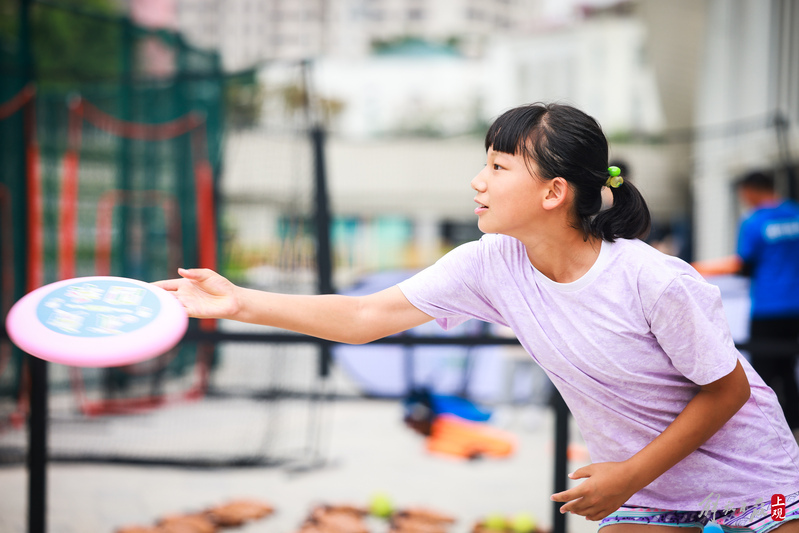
(37, 446)
(37, 421)
(324, 260)
(324, 265)
(561, 458)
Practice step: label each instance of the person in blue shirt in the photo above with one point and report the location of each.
(768, 252)
(768, 245)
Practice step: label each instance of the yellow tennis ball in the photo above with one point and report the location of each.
(380, 505)
(495, 522)
(523, 523)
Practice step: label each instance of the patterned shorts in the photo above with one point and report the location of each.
(755, 518)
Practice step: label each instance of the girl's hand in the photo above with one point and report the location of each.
(609, 485)
(204, 293)
(606, 487)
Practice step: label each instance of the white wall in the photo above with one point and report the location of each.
(389, 94)
(598, 65)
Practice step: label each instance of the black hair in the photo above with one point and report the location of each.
(562, 141)
(757, 179)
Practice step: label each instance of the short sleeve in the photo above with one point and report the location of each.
(451, 290)
(689, 323)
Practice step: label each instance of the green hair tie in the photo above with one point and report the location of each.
(615, 178)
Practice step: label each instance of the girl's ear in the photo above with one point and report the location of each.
(556, 193)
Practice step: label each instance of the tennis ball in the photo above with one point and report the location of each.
(380, 505)
(523, 523)
(495, 522)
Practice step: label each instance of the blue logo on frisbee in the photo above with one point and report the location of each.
(98, 308)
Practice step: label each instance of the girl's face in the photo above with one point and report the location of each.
(508, 196)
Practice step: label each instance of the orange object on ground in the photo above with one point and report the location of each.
(452, 435)
(719, 267)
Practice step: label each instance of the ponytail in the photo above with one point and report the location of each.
(627, 218)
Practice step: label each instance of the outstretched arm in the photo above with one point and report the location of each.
(608, 485)
(348, 319)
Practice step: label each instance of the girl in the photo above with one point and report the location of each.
(680, 429)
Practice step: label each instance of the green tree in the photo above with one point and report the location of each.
(69, 43)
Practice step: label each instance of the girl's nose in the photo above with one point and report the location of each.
(478, 182)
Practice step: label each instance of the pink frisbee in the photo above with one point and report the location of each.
(97, 321)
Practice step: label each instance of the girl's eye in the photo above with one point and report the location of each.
(497, 167)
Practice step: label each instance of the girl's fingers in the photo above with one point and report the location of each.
(582, 472)
(194, 274)
(198, 275)
(567, 495)
(168, 284)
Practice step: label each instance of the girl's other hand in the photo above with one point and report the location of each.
(204, 293)
(606, 487)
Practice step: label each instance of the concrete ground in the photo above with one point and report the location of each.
(365, 449)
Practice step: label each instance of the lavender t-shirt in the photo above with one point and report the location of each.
(627, 345)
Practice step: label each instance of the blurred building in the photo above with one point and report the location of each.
(407, 138)
(597, 62)
(728, 75)
(249, 32)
